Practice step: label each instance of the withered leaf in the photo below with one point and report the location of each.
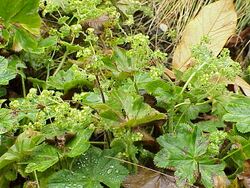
(244, 177)
(243, 84)
(60, 141)
(217, 21)
(98, 23)
(149, 179)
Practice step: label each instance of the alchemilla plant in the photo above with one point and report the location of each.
(85, 102)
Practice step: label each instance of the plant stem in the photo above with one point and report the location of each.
(191, 77)
(131, 163)
(61, 63)
(37, 182)
(99, 143)
(230, 154)
(170, 120)
(107, 135)
(180, 104)
(48, 66)
(100, 88)
(64, 58)
(23, 87)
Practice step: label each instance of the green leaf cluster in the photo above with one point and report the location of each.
(238, 112)
(90, 170)
(187, 151)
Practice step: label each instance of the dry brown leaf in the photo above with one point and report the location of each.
(149, 179)
(244, 177)
(217, 21)
(97, 23)
(170, 74)
(243, 84)
(221, 182)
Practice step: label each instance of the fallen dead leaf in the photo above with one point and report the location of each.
(221, 182)
(244, 177)
(217, 21)
(243, 84)
(97, 23)
(149, 179)
(170, 74)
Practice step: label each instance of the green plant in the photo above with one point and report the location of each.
(84, 173)
(9, 69)
(100, 104)
(187, 151)
(237, 112)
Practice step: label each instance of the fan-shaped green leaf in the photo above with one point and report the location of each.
(187, 152)
(239, 112)
(23, 12)
(91, 169)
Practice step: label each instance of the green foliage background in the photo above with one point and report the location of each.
(90, 95)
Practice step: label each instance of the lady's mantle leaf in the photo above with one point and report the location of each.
(91, 169)
(23, 40)
(43, 157)
(217, 21)
(239, 112)
(23, 12)
(80, 143)
(186, 151)
(8, 70)
(130, 110)
(7, 121)
(23, 147)
(125, 110)
(66, 80)
(139, 112)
